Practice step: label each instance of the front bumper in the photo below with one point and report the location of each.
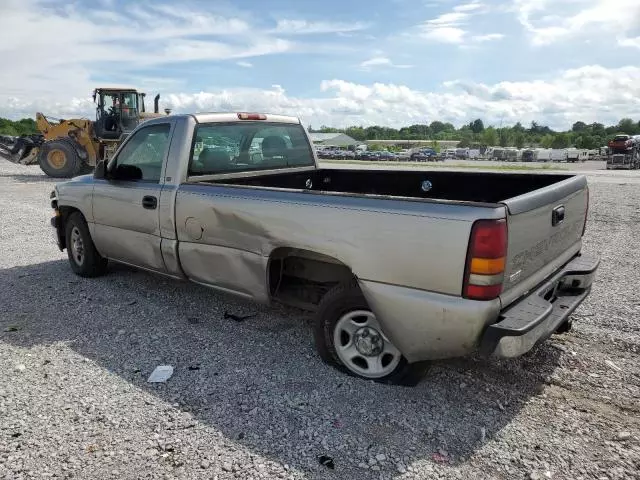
(56, 223)
(538, 315)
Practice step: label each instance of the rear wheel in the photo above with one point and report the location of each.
(83, 256)
(349, 337)
(59, 159)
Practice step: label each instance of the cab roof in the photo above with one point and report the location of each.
(225, 117)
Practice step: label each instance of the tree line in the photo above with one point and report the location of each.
(581, 135)
(26, 126)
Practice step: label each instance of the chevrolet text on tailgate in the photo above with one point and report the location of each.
(400, 267)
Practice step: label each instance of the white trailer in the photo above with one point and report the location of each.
(577, 155)
(542, 154)
(558, 155)
(474, 153)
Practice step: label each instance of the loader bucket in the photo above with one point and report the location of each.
(23, 150)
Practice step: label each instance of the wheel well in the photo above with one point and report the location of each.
(301, 277)
(65, 213)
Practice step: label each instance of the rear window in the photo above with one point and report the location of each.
(248, 146)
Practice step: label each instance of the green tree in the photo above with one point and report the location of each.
(547, 140)
(628, 126)
(505, 137)
(489, 137)
(519, 139)
(561, 140)
(477, 126)
(579, 127)
(465, 141)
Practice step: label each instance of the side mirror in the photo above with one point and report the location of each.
(129, 173)
(100, 171)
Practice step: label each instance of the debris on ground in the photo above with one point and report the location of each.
(327, 461)
(161, 374)
(612, 365)
(237, 318)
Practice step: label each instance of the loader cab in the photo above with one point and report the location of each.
(117, 111)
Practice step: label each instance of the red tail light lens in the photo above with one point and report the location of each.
(486, 259)
(489, 239)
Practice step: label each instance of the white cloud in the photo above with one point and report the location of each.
(447, 19)
(451, 27)
(381, 62)
(487, 37)
(56, 52)
(468, 7)
(301, 27)
(244, 64)
(590, 93)
(629, 42)
(445, 34)
(577, 18)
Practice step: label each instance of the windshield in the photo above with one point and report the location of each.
(238, 147)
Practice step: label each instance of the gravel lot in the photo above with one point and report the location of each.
(252, 399)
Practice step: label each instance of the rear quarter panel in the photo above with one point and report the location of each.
(226, 235)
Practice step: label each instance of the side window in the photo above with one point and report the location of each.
(146, 149)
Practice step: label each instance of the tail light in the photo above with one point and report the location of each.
(586, 214)
(486, 260)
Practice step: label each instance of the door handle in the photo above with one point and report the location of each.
(149, 202)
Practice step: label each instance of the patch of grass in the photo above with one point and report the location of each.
(506, 166)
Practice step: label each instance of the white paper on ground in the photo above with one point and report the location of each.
(162, 373)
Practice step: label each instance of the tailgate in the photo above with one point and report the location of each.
(544, 231)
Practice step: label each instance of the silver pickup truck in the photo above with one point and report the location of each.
(400, 267)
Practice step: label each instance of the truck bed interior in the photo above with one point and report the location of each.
(484, 187)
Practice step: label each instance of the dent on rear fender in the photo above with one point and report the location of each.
(234, 270)
(426, 325)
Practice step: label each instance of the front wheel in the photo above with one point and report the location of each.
(349, 337)
(58, 159)
(84, 259)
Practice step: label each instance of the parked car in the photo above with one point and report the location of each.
(423, 155)
(399, 267)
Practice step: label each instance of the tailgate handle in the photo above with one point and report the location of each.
(557, 216)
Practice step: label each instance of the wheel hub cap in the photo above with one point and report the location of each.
(77, 247)
(56, 158)
(368, 342)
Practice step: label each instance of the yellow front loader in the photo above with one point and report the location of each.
(70, 147)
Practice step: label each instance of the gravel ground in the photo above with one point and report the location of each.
(252, 399)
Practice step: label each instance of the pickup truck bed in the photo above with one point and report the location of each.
(399, 266)
(474, 187)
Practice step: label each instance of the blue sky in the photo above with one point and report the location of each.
(331, 62)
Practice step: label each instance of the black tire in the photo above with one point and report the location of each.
(89, 263)
(59, 159)
(337, 302)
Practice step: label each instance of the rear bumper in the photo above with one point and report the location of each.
(430, 326)
(537, 316)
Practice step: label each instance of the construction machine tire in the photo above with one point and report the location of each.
(59, 159)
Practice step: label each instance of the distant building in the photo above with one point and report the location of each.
(333, 139)
(443, 144)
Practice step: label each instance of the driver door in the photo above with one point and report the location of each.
(126, 212)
